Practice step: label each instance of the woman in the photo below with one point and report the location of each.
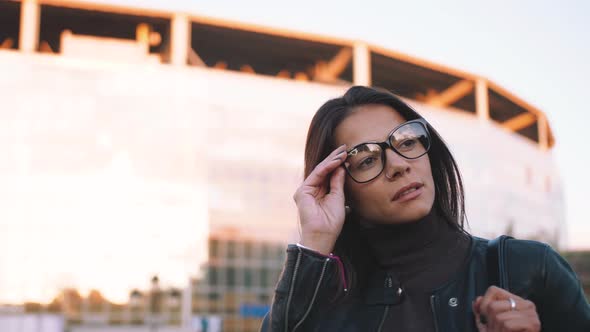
(383, 246)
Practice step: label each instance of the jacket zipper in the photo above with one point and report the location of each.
(383, 318)
(315, 293)
(432, 299)
(291, 290)
(388, 284)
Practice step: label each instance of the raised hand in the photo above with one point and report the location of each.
(320, 203)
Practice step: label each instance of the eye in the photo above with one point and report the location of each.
(407, 144)
(367, 162)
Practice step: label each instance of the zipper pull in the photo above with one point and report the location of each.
(388, 282)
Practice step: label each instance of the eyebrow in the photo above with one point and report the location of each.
(374, 141)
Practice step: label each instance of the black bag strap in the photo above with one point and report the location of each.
(497, 274)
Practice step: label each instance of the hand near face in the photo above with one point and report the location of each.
(320, 203)
(496, 312)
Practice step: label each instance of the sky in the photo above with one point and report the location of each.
(538, 50)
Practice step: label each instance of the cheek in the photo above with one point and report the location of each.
(364, 195)
(428, 180)
(351, 191)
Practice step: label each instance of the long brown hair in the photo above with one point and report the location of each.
(449, 193)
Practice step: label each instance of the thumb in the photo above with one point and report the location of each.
(337, 182)
(476, 304)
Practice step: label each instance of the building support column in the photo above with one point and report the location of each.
(29, 26)
(181, 39)
(482, 104)
(543, 129)
(361, 65)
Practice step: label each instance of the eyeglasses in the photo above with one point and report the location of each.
(366, 161)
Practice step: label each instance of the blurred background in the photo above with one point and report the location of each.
(150, 149)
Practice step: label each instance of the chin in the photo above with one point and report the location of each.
(411, 213)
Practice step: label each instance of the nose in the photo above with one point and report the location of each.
(395, 165)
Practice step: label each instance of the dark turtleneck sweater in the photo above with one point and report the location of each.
(421, 256)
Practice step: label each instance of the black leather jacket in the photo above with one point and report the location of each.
(305, 294)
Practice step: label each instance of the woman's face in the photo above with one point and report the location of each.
(376, 202)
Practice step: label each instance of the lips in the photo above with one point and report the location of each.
(413, 185)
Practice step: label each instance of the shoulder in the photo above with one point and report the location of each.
(527, 252)
(516, 249)
(539, 273)
(523, 262)
(533, 267)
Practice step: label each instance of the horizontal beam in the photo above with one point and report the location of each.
(451, 94)
(520, 121)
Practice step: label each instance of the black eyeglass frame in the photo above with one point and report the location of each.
(387, 144)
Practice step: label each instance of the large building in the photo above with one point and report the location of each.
(238, 280)
(172, 126)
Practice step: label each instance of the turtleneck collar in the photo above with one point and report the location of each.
(388, 241)
(410, 248)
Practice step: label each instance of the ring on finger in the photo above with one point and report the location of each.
(512, 304)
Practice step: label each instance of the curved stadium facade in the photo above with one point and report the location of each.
(123, 113)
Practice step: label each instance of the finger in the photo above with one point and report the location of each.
(487, 299)
(500, 312)
(501, 306)
(508, 315)
(497, 322)
(513, 321)
(497, 307)
(480, 319)
(500, 293)
(317, 177)
(337, 182)
(477, 304)
(492, 294)
(481, 327)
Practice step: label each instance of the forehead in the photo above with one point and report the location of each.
(367, 123)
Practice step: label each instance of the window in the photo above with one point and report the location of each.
(231, 249)
(213, 276)
(231, 277)
(248, 250)
(248, 277)
(213, 248)
(265, 252)
(264, 276)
